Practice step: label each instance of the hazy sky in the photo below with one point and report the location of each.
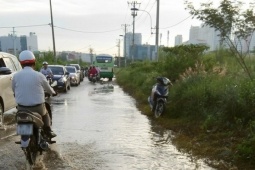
(83, 24)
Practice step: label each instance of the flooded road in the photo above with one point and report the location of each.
(99, 128)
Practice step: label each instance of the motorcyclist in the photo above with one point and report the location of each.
(29, 87)
(45, 70)
(93, 71)
(90, 67)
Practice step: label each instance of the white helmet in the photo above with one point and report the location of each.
(45, 63)
(26, 57)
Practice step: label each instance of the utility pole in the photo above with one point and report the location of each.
(125, 43)
(53, 36)
(91, 51)
(134, 14)
(167, 38)
(118, 45)
(14, 40)
(157, 32)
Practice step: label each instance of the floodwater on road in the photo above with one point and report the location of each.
(100, 128)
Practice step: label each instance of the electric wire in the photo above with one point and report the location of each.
(22, 26)
(83, 48)
(107, 49)
(148, 12)
(144, 10)
(90, 32)
(181, 20)
(177, 23)
(68, 29)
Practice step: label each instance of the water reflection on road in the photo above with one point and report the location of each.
(99, 127)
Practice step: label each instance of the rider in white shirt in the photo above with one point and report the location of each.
(29, 88)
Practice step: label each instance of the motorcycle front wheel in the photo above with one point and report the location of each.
(31, 151)
(159, 109)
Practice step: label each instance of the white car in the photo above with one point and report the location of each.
(9, 65)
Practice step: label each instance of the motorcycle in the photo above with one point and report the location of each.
(93, 78)
(33, 139)
(49, 79)
(159, 94)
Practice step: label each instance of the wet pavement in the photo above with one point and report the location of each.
(99, 128)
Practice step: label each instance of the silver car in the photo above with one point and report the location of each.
(74, 75)
(9, 65)
(78, 67)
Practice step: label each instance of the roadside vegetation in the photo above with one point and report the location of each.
(212, 100)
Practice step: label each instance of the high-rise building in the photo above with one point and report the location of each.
(128, 44)
(32, 43)
(178, 40)
(245, 45)
(205, 35)
(11, 42)
(210, 37)
(144, 52)
(194, 34)
(252, 43)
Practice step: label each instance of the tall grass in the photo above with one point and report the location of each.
(210, 90)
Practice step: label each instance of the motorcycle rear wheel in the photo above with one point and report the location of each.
(159, 109)
(31, 151)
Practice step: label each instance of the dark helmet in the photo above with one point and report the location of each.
(163, 81)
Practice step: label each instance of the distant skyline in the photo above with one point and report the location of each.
(98, 24)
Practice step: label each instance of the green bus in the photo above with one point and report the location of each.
(105, 63)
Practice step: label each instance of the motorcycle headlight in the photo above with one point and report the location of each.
(63, 79)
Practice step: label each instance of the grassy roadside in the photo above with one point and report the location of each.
(214, 146)
(211, 108)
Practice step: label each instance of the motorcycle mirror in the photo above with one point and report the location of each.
(54, 84)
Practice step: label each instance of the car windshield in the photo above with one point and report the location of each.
(104, 59)
(77, 67)
(57, 70)
(70, 69)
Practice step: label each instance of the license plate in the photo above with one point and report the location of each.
(25, 129)
(104, 68)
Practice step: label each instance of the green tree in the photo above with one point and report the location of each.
(177, 59)
(230, 20)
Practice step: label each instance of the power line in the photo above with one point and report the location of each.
(107, 49)
(177, 23)
(83, 48)
(181, 20)
(86, 31)
(144, 10)
(27, 26)
(68, 29)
